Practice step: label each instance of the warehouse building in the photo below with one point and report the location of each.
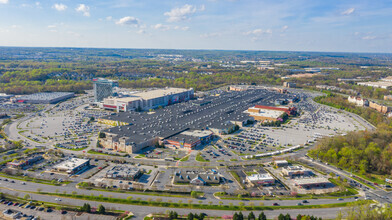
(72, 165)
(148, 100)
(44, 97)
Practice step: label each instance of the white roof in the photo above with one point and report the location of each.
(315, 180)
(151, 94)
(197, 133)
(280, 161)
(265, 113)
(70, 164)
(258, 177)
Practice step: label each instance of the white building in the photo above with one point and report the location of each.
(358, 101)
(148, 100)
(261, 179)
(72, 165)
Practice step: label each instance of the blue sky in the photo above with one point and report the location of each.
(293, 25)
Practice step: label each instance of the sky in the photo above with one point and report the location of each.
(279, 25)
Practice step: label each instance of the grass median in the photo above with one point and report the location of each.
(189, 203)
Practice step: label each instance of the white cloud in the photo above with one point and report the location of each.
(202, 8)
(74, 34)
(52, 26)
(141, 31)
(369, 37)
(164, 27)
(258, 32)
(348, 11)
(59, 7)
(284, 28)
(182, 13)
(181, 28)
(3, 1)
(128, 20)
(161, 27)
(109, 18)
(83, 9)
(210, 35)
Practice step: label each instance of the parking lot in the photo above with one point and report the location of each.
(70, 124)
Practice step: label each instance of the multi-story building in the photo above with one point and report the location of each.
(380, 108)
(148, 100)
(358, 101)
(103, 88)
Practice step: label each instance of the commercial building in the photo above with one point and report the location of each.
(188, 140)
(261, 179)
(44, 97)
(309, 183)
(296, 171)
(195, 177)
(72, 165)
(123, 172)
(148, 100)
(218, 114)
(281, 163)
(269, 113)
(19, 164)
(103, 88)
(358, 101)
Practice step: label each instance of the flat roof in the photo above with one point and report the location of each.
(45, 96)
(70, 164)
(315, 180)
(264, 176)
(150, 94)
(173, 119)
(265, 113)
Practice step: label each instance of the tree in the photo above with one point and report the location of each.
(193, 194)
(235, 216)
(281, 217)
(101, 209)
(251, 216)
(86, 208)
(39, 190)
(299, 217)
(26, 197)
(262, 216)
(190, 216)
(240, 216)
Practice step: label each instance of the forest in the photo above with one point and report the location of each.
(365, 152)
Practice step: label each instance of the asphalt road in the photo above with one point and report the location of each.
(141, 211)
